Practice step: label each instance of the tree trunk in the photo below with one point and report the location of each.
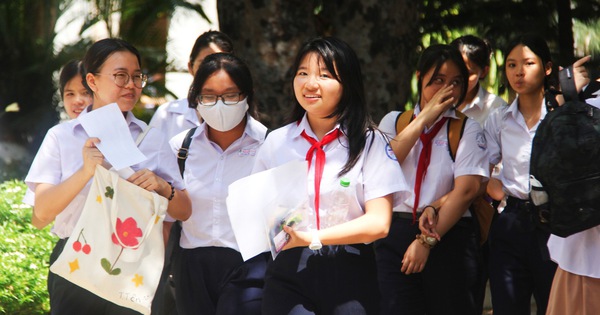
(565, 33)
(267, 35)
(385, 36)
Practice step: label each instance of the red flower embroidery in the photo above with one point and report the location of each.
(127, 231)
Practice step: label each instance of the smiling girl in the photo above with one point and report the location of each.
(330, 127)
(62, 170)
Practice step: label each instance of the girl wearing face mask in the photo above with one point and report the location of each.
(61, 172)
(437, 271)
(210, 275)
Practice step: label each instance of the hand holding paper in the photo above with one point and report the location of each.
(117, 145)
(260, 204)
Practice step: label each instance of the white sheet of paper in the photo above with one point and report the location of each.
(116, 143)
(250, 196)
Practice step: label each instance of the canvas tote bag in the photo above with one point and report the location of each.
(116, 250)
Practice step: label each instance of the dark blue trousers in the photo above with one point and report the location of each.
(520, 264)
(67, 298)
(447, 285)
(339, 280)
(215, 280)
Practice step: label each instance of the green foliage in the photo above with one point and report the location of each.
(24, 252)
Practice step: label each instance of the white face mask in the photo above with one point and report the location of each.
(224, 117)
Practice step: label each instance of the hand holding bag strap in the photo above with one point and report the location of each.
(114, 178)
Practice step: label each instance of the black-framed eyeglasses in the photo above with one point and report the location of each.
(121, 79)
(228, 99)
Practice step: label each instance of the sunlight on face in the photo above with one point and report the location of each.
(104, 87)
(315, 88)
(525, 71)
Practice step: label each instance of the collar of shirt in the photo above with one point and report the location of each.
(304, 125)
(479, 99)
(513, 110)
(181, 107)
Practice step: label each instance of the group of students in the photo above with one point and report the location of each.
(408, 244)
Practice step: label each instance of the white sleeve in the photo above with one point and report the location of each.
(388, 123)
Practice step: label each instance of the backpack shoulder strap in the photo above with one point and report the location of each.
(456, 127)
(403, 120)
(183, 151)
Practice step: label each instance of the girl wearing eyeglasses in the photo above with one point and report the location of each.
(62, 170)
(209, 272)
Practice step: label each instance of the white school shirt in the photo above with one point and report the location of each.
(482, 105)
(471, 159)
(374, 175)
(579, 252)
(509, 141)
(60, 156)
(174, 117)
(208, 173)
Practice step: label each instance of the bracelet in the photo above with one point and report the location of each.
(435, 210)
(427, 241)
(172, 191)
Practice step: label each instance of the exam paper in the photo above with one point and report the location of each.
(116, 143)
(254, 200)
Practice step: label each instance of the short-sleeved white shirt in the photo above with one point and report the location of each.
(174, 117)
(60, 156)
(375, 174)
(208, 173)
(509, 141)
(471, 159)
(482, 105)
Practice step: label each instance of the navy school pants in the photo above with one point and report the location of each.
(448, 284)
(215, 280)
(520, 264)
(336, 280)
(67, 298)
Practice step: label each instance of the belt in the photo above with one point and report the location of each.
(514, 204)
(462, 222)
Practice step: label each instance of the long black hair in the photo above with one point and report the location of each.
(211, 37)
(351, 112)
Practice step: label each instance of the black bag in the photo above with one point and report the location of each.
(565, 165)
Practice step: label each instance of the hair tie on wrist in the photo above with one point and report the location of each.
(172, 191)
(435, 210)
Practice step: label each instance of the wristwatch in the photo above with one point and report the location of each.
(427, 241)
(432, 241)
(315, 244)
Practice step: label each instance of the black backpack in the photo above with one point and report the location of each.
(565, 165)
